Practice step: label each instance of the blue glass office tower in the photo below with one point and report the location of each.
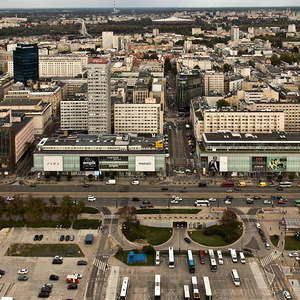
(26, 63)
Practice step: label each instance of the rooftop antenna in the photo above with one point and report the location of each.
(115, 10)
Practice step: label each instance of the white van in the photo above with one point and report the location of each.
(111, 181)
(157, 261)
(242, 258)
(220, 257)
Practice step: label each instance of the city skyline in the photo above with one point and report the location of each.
(136, 4)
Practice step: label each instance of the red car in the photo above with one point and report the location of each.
(282, 201)
(202, 257)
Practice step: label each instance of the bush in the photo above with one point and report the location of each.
(89, 210)
(148, 249)
(86, 224)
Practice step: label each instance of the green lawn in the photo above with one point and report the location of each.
(207, 240)
(152, 235)
(44, 250)
(168, 211)
(291, 243)
(274, 239)
(90, 210)
(86, 224)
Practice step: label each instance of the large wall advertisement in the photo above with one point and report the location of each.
(89, 163)
(53, 163)
(145, 164)
(223, 163)
(276, 164)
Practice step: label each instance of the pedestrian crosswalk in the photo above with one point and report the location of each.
(250, 218)
(99, 264)
(269, 258)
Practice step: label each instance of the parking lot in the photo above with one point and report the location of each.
(172, 280)
(40, 268)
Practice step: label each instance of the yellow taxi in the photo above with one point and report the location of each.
(242, 183)
(262, 184)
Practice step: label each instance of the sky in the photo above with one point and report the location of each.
(139, 3)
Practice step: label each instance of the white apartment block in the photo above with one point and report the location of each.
(214, 82)
(212, 121)
(99, 101)
(107, 39)
(235, 33)
(138, 118)
(291, 112)
(58, 65)
(74, 115)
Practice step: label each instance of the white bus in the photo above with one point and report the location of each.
(207, 288)
(171, 258)
(157, 261)
(233, 255)
(285, 184)
(196, 294)
(202, 202)
(213, 265)
(157, 287)
(124, 288)
(220, 257)
(211, 253)
(186, 292)
(242, 258)
(235, 277)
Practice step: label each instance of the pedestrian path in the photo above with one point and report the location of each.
(269, 258)
(99, 264)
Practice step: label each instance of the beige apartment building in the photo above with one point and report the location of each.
(236, 121)
(138, 118)
(214, 82)
(291, 111)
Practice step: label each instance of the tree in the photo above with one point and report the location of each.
(34, 209)
(229, 218)
(275, 60)
(128, 214)
(222, 103)
(78, 207)
(66, 208)
(227, 68)
(153, 56)
(167, 65)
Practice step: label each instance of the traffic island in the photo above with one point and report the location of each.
(291, 243)
(137, 233)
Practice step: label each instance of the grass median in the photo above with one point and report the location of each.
(291, 243)
(135, 232)
(167, 211)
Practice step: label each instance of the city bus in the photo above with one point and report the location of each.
(157, 287)
(233, 255)
(235, 277)
(285, 184)
(297, 202)
(213, 264)
(124, 288)
(190, 261)
(196, 294)
(186, 292)
(211, 253)
(202, 202)
(171, 258)
(157, 261)
(207, 288)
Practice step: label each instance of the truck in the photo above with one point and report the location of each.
(7, 298)
(111, 181)
(89, 239)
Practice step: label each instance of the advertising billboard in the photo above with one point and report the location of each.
(223, 164)
(53, 163)
(144, 164)
(89, 163)
(213, 164)
(276, 164)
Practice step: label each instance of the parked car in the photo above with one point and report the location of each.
(40, 237)
(2, 272)
(72, 237)
(282, 201)
(294, 254)
(62, 238)
(227, 201)
(267, 201)
(67, 238)
(135, 199)
(22, 277)
(286, 295)
(212, 199)
(53, 277)
(135, 182)
(58, 257)
(43, 294)
(72, 286)
(57, 261)
(174, 197)
(36, 237)
(91, 198)
(173, 201)
(81, 263)
(22, 271)
(202, 257)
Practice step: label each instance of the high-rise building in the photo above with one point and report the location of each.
(107, 39)
(235, 33)
(99, 102)
(213, 83)
(26, 63)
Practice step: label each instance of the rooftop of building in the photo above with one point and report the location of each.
(38, 103)
(226, 136)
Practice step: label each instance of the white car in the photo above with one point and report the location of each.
(173, 201)
(10, 198)
(79, 276)
(227, 201)
(135, 182)
(267, 245)
(91, 198)
(267, 201)
(257, 225)
(293, 254)
(212, 199)
(58, 257)
(176, 198)
(286, 295)
(22, 272)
